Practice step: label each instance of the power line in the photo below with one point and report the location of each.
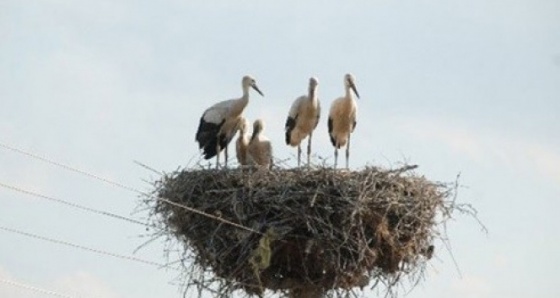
(34, 289)
(120, 185)
(66, 243)
(74, 205)
(148, 167)
(69, 168)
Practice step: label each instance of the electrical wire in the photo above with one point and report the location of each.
(73, 205)
(34, 289)
(81, 247)
(69, 168)
(122, 186)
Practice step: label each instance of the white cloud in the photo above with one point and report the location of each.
(501, 261)
(544, 159)
(9, 290)
(489, 147)
(83, 284)
(79, 284)
(12, 288)
(471, 287)
(460, 140)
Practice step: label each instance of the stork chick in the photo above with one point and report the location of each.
(242, 143)
(219, 123)
(342, 118)
(260, 148)
(303, 119)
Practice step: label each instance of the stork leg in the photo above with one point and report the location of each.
(226, 153)
(309, 149)
(218, 160)
(298, 155)
(347, 151)
(335, 155)
(218, 155)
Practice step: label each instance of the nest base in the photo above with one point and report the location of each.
(307, 231)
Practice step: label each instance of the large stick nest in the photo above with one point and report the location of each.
(305, 228)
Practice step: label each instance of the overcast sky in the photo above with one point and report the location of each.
(470, 87)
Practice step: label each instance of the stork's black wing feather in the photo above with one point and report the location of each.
(290, 124)
(330, 123)
(207, 137)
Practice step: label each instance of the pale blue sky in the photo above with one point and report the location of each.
(454, 86)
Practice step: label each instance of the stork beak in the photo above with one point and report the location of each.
(257, 89)
(355, 90)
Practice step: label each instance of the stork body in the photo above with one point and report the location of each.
(303, 119)
(260, 148)
(342, 118)
(242, 144)
(220, 122)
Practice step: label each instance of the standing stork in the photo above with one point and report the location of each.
(242, 143)
(260, 148)
(220, 122)
(342, 118)
(303, 119)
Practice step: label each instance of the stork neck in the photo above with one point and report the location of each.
(349, 94)
(245, 97)
(246, 91)
(240, 104)
(312, 95)
(255, 134)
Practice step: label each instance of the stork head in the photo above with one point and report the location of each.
(313, 83)
(243, 125)
(349, 82)
(258, 126)
(249, 82)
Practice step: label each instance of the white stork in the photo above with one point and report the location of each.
(342, 118)
(242, 143)
(260, 148)
(303, 119)
(220, 122)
